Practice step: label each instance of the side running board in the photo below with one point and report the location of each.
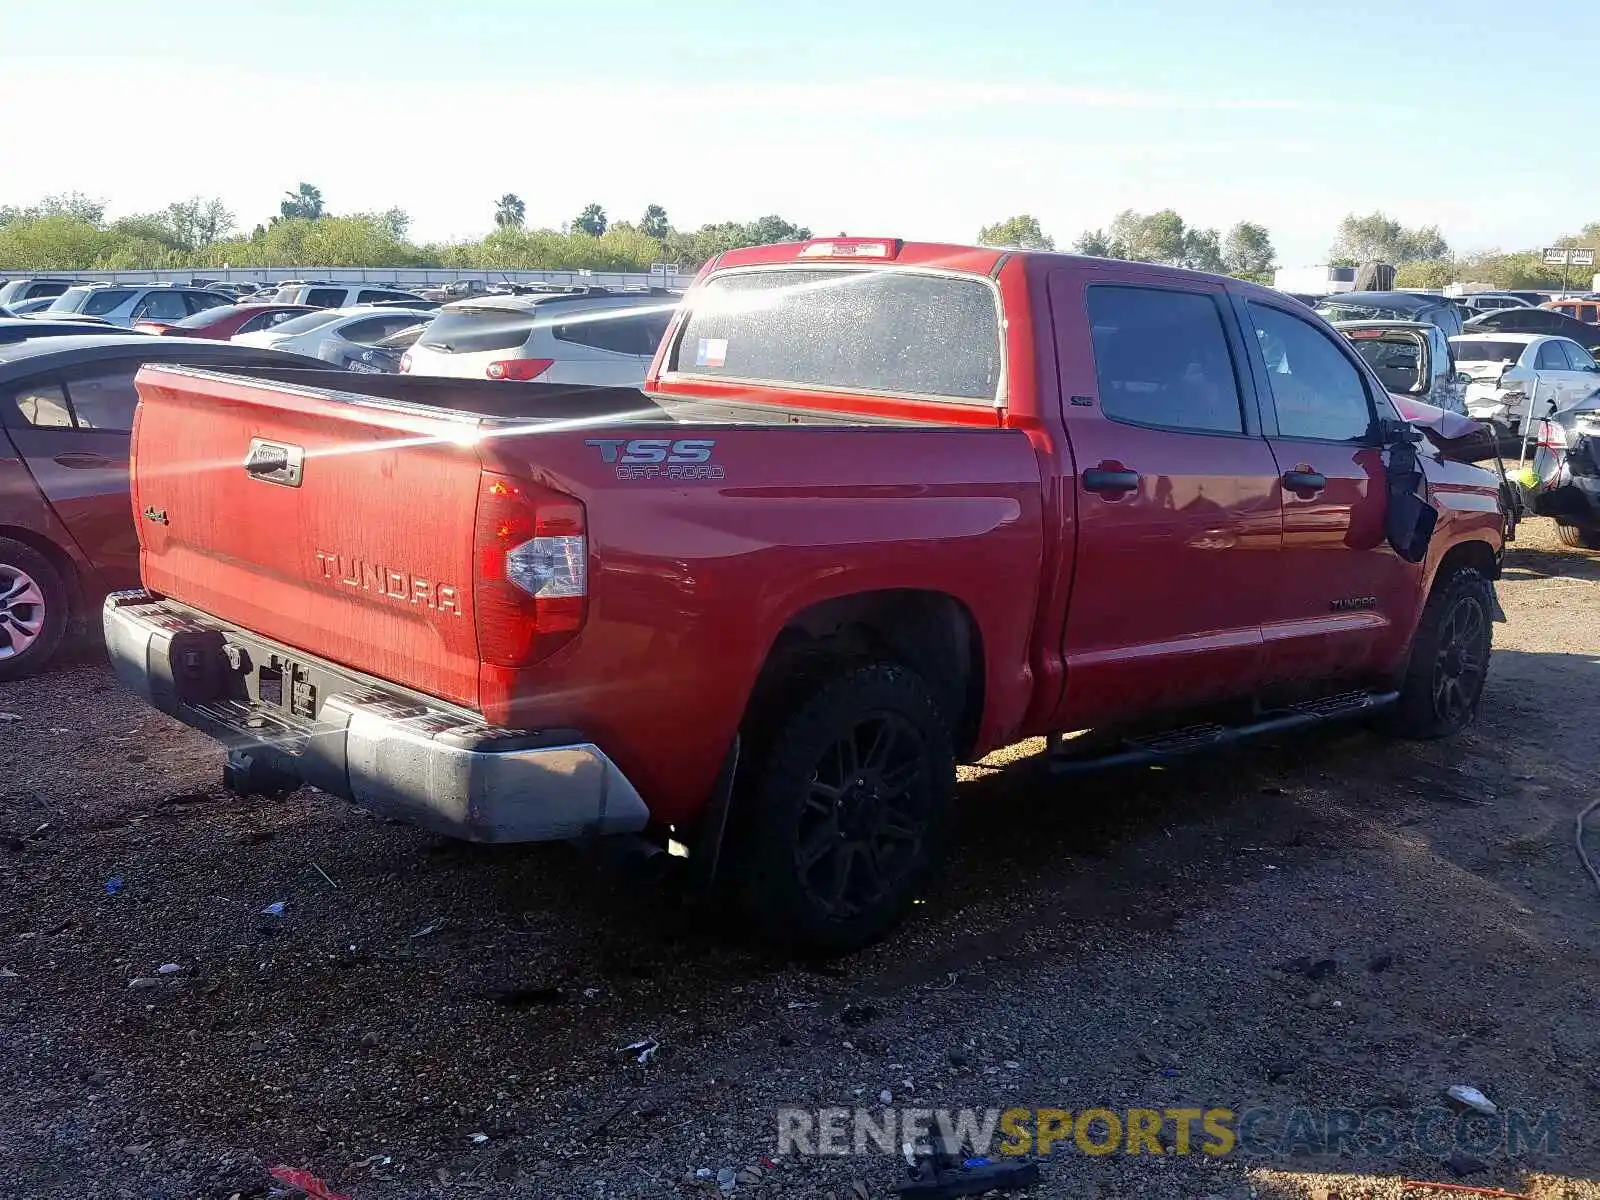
(1171, 744)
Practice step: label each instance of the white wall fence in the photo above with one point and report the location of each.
(402, 276)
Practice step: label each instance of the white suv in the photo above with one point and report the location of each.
(337, 295)
(591, 336)
(125, 304)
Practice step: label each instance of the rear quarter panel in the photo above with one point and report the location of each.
(692, 580)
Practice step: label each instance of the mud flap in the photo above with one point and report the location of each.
(1495, 611)
(1411, 516)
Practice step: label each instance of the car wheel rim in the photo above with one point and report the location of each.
(21, 611)
(865, 816)
(1459, 666)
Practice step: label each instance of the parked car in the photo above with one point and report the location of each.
(17, 329)
(1510, 375)
(559, 337)
(336, 335)
(127, 304)
(1536, 320)
(38, 304)
(227, 321)
(1393, 306)
(338, 295)
(66, 521)
(1586, 309)
(1534, 299)
(1567, 473)
(16, 291)
(1410, 359)
(383, 358)
(1479, 302)
(882, 507)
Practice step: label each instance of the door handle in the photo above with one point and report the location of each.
(1109, 478)
(1304, 481)
(82, 460)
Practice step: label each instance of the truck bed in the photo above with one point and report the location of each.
(490, 399)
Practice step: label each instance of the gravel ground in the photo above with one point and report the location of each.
(1332, 921)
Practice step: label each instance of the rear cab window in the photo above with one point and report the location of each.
(898, 331)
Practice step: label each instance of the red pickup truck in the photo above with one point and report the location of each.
(880, 508)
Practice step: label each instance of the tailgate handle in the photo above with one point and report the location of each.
(275, 462)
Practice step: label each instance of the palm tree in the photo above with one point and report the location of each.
(305, 201)
(592, 220)
(510, 211)
(654, 223)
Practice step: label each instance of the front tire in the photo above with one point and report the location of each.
(1579, 537)
(1449, 661)
(846, 813)
(33, 609)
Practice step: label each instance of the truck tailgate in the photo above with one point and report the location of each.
(336, 526)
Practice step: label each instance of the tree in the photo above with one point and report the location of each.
(1158, 237)
(1247, 252)
(392, 222)
(654, 223)
(510, 211)
(1094, 242)
(592, 221)
(1019, 232)
(304, 203)
(1379, 238)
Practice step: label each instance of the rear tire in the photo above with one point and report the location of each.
(34, 610)
(1579, 537)
(1449, 661)
(844, 816)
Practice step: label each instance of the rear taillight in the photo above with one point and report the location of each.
(532, 584)
(519, 369)
(405, 363)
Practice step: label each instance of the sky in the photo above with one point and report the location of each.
(922, 120)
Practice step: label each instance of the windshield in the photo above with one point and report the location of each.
(91, 302)
(306, 323)
(1469, 350)
(896, 331)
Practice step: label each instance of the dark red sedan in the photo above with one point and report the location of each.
(222, 323)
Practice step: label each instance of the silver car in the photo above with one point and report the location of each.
(124, 304)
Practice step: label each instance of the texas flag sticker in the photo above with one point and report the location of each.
(711, 352)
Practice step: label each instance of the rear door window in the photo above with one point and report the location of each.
(199, 302)
(1161, 358)
(41, 405)
(1550, 358)
(899, 332)
(1317, 392)
(105, 398)
(162, 306)
(325, 297)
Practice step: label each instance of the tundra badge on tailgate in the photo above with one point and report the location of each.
(660, 458)
(275, 462)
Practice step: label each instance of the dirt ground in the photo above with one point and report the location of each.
(1331, 921)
